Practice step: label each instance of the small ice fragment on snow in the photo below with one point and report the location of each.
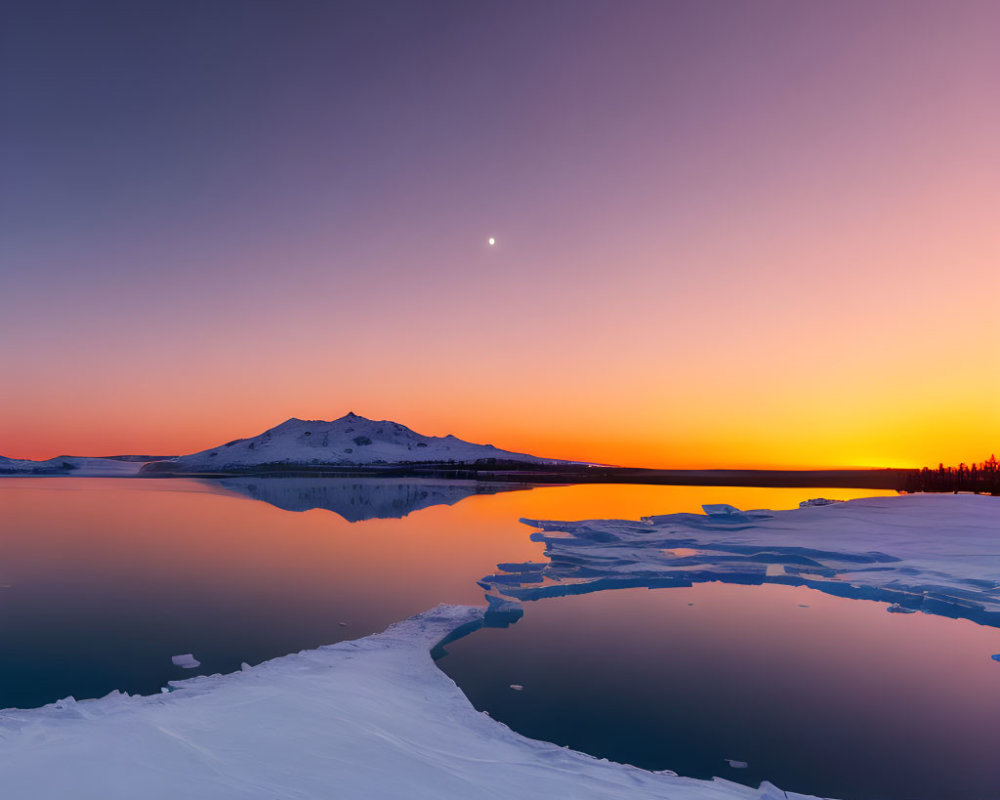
(185, 661)
(736, 764)
(896, 608)
(803, 605)
(517, 687)
(342, 624)
(768, 791)
(720, 509)
(690, 604)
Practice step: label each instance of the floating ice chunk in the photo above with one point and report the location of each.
(736, 764)
(502, 612)
(896, 608)
(517, 687)
(818, 501)
(185, 661)
(995, 656)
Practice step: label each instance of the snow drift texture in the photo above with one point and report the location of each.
(933, 553)
(350, 440)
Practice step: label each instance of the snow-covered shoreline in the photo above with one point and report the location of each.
(371, 718)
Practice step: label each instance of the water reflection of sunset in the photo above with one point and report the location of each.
(112, 577)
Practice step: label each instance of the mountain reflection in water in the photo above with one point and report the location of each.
(359, 499)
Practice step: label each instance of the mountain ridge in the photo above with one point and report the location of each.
(350, 440)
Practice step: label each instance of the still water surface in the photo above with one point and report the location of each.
(103, 580)
(818, 694)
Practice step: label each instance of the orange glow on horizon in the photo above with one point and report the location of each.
(811, 445)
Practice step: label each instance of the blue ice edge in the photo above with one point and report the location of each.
(939, 554)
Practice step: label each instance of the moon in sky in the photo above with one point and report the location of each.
(491, 241)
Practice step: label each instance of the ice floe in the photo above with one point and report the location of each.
(933, 553)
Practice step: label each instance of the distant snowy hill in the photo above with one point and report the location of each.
(348, 441)
(70, 465)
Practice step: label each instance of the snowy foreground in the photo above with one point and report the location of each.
(373, 718)
(934, 553)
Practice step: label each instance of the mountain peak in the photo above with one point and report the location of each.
(296, 422)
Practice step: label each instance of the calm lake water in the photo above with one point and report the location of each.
(103, 580)
(818, 694)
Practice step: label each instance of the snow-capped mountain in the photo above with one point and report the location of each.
(348, 441)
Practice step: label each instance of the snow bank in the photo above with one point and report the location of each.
(372, 718)
(933, 553)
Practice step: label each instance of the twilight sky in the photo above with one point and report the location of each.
(728, 233)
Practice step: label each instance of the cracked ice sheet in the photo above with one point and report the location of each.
(372, 718)
(935, 553)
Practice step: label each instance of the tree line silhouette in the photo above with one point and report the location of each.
(983, 478)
